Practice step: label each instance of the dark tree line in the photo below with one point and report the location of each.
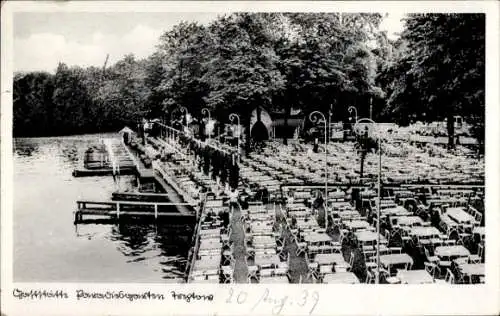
(439, 71)
(276, 61)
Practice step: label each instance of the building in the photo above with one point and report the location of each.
(266, 125)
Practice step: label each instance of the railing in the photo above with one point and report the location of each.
(194, 138)
(197, 241)
(117, 205)
(111, 155)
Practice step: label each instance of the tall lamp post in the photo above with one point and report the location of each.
(359, 132)
(233, 116)
(175, 133)
(207, 112)
(314, 117)
(172, 135)
(185, 112)
(330, 123)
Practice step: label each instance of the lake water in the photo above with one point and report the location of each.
(49, 248)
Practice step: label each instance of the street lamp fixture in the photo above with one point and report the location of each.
(315, 117)
(353, 109)
(233, 116)
(206, 112)
(185, 112)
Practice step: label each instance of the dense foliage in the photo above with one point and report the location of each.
(275, 61)
(440, 70)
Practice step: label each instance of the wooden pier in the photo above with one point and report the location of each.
(116, 159)
(102, 172)
(142, 171)
(142, 197)
(120, 209)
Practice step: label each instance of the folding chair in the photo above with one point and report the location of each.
(227, 257)
(225, 240)
(312, 270)
(280, 241)
(431, 259)
(448, 279)
(477, 258)
(250, 252)
(336, 222)
(431, 268)
(405, 237)
(408, 265)
(387, 236)
(227, 274)
(370, 277)
(463, 235)
(301, 248)
(478, 219)
(252, 273)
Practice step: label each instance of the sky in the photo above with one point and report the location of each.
(42, 40)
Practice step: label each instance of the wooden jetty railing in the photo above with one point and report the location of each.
(142, 194)
(196, 247)
(130, 208)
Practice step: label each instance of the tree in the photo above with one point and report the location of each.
(327, 63)
(71, 101)
(123, 93)
(443, 67)
(242, 73)
(32, 96)
(181, 54)
(154, 74)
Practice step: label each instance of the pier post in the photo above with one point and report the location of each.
(156, 211)
(118, 210)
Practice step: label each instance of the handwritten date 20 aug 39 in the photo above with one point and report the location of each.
(276, 302)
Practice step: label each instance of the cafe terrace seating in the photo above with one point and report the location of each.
(448, 246)
(264, 244)
(214, 262)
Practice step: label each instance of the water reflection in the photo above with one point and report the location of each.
(134, 238)
(101, 249)
(70, 154)
(25, 147)
(166, 244)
